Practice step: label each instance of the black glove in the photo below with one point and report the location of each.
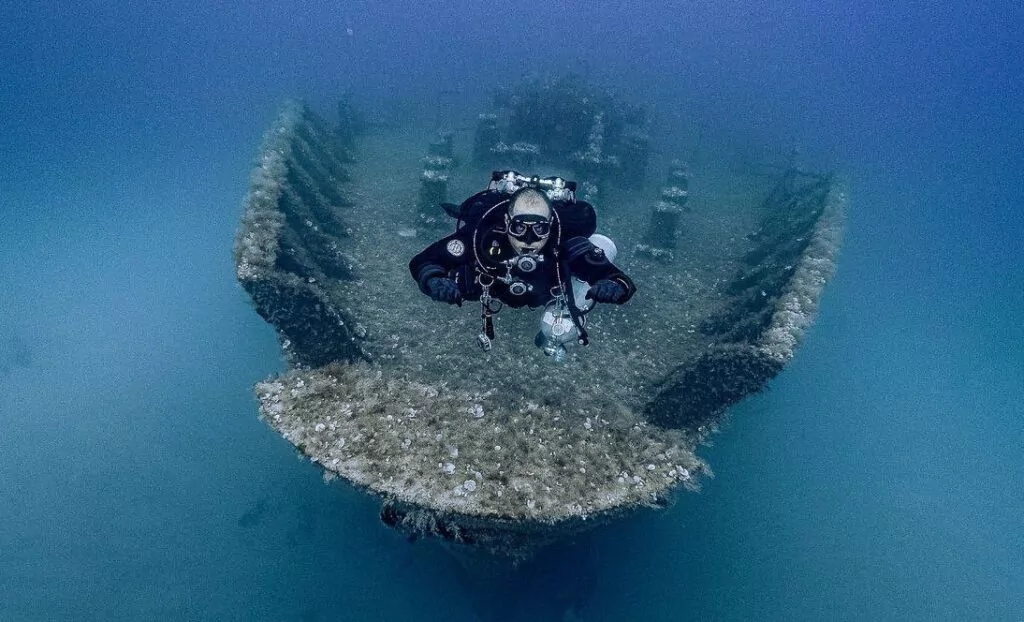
(444, 290)
(607, 291)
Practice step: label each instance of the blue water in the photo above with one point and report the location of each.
(880, 478)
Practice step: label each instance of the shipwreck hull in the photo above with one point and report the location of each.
(505, 451)
(767, 308)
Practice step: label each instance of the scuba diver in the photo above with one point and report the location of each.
(525, 242)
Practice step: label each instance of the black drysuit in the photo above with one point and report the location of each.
(479, 249)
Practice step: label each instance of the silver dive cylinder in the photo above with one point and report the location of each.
(557, 330)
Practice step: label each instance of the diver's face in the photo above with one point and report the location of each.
(522, 247)
(528, 233)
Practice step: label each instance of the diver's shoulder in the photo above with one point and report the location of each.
(475, 206)
(578, 218)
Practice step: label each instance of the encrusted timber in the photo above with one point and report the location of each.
(291, 238)
(793, 210)
(698, 390)
(512, 539)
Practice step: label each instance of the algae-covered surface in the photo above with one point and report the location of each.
(473, 453)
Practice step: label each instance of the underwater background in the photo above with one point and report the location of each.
(881, 477)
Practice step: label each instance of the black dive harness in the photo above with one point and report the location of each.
(485, 277)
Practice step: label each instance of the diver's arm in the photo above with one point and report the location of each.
(577, 219)
(438, 261)
(589, 263)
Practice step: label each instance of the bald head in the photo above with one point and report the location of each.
(529, 201)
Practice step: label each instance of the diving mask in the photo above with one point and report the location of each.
(529, 227)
